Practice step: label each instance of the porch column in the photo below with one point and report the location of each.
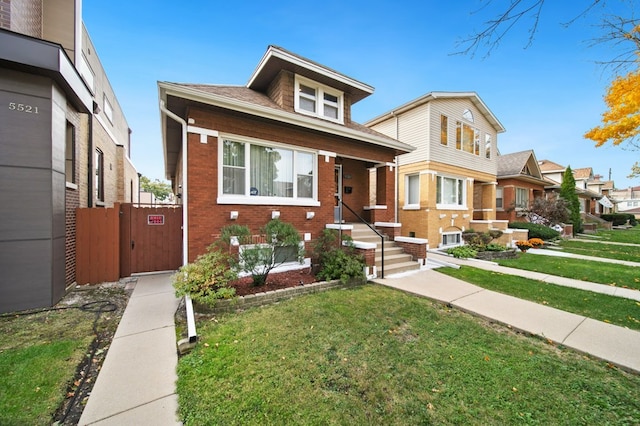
(385, 192)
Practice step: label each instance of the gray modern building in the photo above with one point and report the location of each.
(64, 144)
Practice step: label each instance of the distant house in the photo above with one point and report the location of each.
(448, 184)
(65, 144)
(284, 145)
(588, 189)
(627, 200)
(520, 182)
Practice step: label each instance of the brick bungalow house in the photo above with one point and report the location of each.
(448, 184)
(519, 183)
(282, 146)
(65, 145)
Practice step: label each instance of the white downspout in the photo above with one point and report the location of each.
(185, 216)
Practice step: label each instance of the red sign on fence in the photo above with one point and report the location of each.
(155, 219)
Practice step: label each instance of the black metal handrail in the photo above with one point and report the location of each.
(374, 230)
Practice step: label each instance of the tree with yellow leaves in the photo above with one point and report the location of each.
(621, 123)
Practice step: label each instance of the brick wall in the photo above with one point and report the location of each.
(72, 196)
(206, 217)
(509, 186)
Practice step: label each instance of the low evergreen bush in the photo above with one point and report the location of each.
(462, 252)
(619, 219)
(536, 230)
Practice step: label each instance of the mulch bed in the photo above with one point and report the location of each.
(275, 281)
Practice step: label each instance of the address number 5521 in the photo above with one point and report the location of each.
(29, 109)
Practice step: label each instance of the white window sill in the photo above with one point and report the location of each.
(411, 207)
(451, 207)
(72, 186)
(268, 201)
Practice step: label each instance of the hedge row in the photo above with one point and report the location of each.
(536, 230)
(619, 219)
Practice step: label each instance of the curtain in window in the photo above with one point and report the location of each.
(304, 174)
(271, 171)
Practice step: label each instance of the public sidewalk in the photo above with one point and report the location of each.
(136, 385)
(617, 345)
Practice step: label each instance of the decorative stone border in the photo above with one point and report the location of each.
(266, 298)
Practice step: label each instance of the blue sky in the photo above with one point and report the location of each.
(546, 96)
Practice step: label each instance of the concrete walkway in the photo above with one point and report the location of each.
(136, 385)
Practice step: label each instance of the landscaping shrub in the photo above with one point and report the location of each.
(536, 230)
(206, 279)
(495, 247)
(619, 219)
(337, 262)
(462, 252)
(259, 259)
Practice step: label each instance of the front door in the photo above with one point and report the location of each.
(337, 210)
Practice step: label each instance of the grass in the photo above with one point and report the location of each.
(38, 358)
(597, 272)
(373, 355)
(602, 307)
(631, 235)
(610, 251)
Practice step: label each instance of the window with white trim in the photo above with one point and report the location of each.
(412, 190)
(444, 130)
(499, 198)
(315, 99)
(522, 198)
(255, 169)
(451, 239)
(450, 192)
(487, 146)
(467, 138)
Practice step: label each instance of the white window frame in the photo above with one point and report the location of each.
(407, 191)
(447, 234)
(460, 204)
(247, 198)
(500, 196)
(320, 91)
(520, 205)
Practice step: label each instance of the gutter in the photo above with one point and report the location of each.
(185, 216)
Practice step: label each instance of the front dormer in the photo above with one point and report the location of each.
(304, 87)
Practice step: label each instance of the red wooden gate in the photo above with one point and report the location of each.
(116, 242)
(150, 239)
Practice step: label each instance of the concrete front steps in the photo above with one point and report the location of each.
(395, 259)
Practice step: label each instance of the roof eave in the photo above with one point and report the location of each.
(282, 116)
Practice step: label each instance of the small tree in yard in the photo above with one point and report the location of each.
(281, 243)
(549, 212)
(569, 194)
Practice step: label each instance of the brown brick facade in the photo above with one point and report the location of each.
(206, 217)
(508, 211)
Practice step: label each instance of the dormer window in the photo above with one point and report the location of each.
(320, 101)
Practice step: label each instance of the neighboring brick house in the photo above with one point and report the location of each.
(519, 183)
(282, 146)
(62, 147)
(448, 184)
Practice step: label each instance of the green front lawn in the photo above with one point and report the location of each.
(597, 272)
(610, 251)
(631, 235)
(374, 355)
(601, 307)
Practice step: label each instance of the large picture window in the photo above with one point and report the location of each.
(259, 170)
(468, 138)
(450, 192)
(312, 98)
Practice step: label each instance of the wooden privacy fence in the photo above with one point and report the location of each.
(116, 242)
